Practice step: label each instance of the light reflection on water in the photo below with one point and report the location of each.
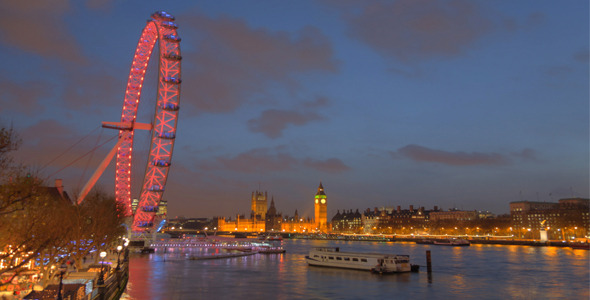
(476, 272)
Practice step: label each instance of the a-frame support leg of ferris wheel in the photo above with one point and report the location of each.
(107, 160)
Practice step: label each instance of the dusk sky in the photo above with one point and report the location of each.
(466, 104)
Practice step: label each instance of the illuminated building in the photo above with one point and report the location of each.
(273, 219)
(454, 215)
(390, 220)
(569, 218)
(321, 209)
(371, 220)
(259, 205)
(268, 220)
(240, 224)
(298, 224)
(347, 222)
(257, 220)
(162, 208)
(134, 204)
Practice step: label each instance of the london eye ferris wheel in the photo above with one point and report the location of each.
(161, 30)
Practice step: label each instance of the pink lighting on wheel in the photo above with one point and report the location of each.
(158, 29)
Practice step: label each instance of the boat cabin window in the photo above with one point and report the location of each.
(338, 258)
(331, 257)
(355, 259)
(315, 256)
(363, 259)
(347, 258)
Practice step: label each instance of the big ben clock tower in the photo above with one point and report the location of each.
(321, 209)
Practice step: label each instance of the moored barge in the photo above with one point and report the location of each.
(375, 262)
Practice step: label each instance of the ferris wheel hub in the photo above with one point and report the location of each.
(127, 125)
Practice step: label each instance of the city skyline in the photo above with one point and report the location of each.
(459, 104)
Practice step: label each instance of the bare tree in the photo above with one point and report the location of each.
(96, 225)
(9, 141)
(30, 222)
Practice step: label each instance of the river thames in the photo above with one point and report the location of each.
(476, 272)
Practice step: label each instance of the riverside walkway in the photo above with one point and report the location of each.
(85, 282)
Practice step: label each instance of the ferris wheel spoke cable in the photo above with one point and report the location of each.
(89, 159)
(70, 148)
(82, 156)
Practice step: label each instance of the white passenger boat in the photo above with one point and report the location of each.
(375, 262)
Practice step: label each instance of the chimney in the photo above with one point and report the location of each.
(435, 208)
(411, 208)
(60, 187)
(399, 209)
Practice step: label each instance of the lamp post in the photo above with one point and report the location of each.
(118, 253)
(103, 254)
(62, 271)
(125, 257)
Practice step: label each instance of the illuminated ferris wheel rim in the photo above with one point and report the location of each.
(162, 29)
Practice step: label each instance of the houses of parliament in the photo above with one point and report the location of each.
(266, 219)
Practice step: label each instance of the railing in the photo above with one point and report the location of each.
(113, 286)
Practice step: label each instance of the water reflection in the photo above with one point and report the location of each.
(482, 271)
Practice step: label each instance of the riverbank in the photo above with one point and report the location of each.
(91, 281)
(430, 239)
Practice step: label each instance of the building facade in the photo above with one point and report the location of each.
(454, 215)
(273, 219)
(240, 224)
(263, 219)
(347, 222)
(567, 219)
(259, 205)
(321, 209)
(298, 224)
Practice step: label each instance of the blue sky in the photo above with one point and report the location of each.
(466, 104)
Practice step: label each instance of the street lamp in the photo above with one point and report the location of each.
(118, 253)
(62, 271)
(103, 254)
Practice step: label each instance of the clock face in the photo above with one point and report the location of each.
(316, 200)
(323, 201)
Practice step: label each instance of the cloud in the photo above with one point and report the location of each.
(24, 97)
(582, 56)
(262, 160)
(317, 103)
(56, 150)
(62, 149)
(331, 165)
(557, 71)
(526, 154)
(535, 19)
(233, 62)
(99, 4)
(38, 27)
(47, 130)
(88, 88)
(423, 154)
(272, 122)
(411, 30)
(256, 161)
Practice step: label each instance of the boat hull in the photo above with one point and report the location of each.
(456, 243)
(376, 262)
